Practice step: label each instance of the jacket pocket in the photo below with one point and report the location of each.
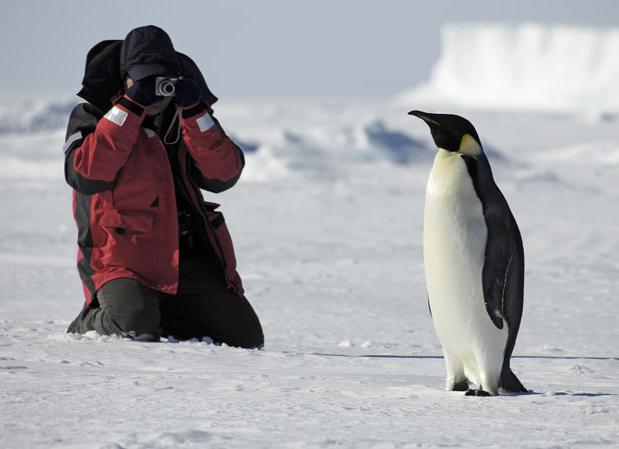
(129, 241)
(128, 222)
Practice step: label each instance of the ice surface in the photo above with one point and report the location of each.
(327, 227)
(524, 67)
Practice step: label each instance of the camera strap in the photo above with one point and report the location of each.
(175, 121)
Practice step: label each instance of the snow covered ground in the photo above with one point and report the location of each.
(327, 224)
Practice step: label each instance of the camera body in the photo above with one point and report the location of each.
(165, 86)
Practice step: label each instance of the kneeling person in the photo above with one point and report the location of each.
(155, 259)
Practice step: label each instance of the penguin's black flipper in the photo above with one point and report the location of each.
(503, 272)
(503, 277)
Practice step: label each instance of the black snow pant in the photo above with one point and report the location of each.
(203, 307)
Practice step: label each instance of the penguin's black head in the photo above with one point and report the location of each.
(450, 132)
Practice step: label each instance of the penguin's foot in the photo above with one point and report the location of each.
(460, 386)
(479, 392)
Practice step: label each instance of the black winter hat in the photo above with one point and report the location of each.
(148, 51)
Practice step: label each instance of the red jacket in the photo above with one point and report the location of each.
(124, 201)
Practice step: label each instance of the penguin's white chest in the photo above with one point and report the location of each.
(455, 236)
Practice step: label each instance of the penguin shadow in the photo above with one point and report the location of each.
(396, 356)
(503, 393)
(376, 356)
(577, 394)
(564, 357)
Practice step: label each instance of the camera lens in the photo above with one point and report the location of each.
(167, 88)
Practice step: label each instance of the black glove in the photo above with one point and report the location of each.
(187, 92)
(143, 92)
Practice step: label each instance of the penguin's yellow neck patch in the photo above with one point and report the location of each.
(469, 146)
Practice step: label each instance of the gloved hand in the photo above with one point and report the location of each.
(143, 92)
(188, 92)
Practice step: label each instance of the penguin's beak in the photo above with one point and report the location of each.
(426, 117)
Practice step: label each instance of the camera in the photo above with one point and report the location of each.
(165, 86)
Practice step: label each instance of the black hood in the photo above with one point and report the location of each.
(103, 78)
(148, 51)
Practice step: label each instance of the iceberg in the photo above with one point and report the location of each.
(527, 67)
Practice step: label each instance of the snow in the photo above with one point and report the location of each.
(22, 115)
(327, 223)
(524, 67)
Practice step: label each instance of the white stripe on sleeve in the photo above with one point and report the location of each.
(205, 122)
(72, 138)
(117, 116)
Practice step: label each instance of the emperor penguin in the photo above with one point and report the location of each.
(473, 260)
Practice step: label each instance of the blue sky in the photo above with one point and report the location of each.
(265, 50)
